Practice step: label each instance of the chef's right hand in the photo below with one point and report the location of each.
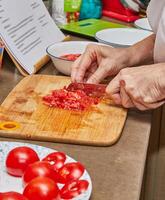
(98, 62)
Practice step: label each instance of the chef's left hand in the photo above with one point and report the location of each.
(141, 87)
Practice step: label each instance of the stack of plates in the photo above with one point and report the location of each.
(121, 37)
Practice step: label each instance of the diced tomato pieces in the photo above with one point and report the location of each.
(70, 57)
(64, 99)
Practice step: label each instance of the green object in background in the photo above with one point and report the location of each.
(89, 27)
(72, 5)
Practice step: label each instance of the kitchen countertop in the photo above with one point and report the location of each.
(116, 171)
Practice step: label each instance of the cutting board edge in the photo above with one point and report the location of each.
(56, 140)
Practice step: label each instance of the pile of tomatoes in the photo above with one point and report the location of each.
(41, 178)
(70, 57)
(70, 100)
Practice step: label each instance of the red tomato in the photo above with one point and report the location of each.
(18, 159)
(70, 171)
(56, 160)
(12, 196)
(40, 168)
(41, 188)
(73, 189)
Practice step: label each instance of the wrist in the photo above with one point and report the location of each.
(142, 52)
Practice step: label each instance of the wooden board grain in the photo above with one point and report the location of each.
(101, 125)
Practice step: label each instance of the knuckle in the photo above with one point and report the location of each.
(131, 90)
(90, 46)
(136, 96)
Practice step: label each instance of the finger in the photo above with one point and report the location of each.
(98, 75)
(155, 105)
(125, 98)
(87, 58)
(137, 103)
(74, 69)
(116, 98)
(128, 101)
(114, 86)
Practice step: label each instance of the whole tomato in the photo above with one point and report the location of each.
(12, 196)
(73, 189)
(42, 188)
(56, 160)
(40, 168)
(70, 171)
(18, 159)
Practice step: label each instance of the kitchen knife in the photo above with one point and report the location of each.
(93, 90)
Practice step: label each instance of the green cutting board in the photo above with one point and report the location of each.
(89, 27)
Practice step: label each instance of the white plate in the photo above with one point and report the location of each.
(121, 36)
(10, 183)
(143, 23)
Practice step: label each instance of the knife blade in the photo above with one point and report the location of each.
(93, 90)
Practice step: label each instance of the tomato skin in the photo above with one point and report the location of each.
(70, 171)
(18, 159)
(41, 188)
(73, 189)
(12, 196)
(40, 168)
(56, 160)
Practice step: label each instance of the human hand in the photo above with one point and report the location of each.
(98, 62)
(140, 87)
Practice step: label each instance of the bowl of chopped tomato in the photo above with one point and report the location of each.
(63, 54)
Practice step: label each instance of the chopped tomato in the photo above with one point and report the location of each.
(73, 189)
(70, 57)
(77, 100)
(56, 160)
(70, 171)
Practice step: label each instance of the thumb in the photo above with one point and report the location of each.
(114, 86)
(113, 90)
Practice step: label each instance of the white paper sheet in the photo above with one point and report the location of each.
(27, 30)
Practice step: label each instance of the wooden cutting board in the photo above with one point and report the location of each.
(101, 125)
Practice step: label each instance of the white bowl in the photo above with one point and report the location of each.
(56, 50)
(121, 37)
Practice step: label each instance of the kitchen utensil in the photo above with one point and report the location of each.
(93, 90)
(88, 27)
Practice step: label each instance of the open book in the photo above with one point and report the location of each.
(27, 29)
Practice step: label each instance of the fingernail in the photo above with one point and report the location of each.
(122, 83)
